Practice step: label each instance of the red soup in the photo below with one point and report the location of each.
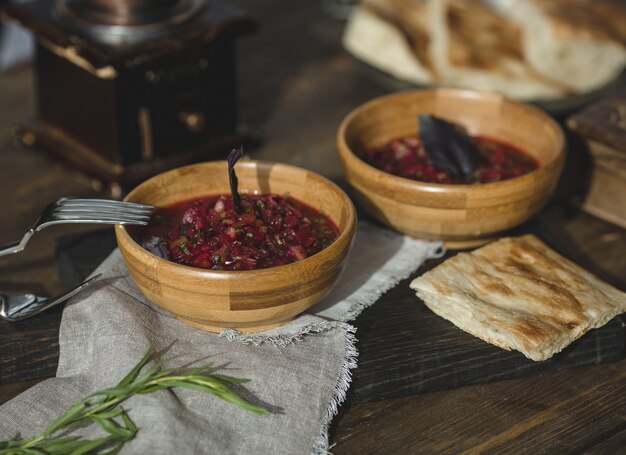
(269, 231)
(407, 157)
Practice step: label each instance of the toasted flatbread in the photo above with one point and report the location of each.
(475, 47)
(579, 43)
(524, 49)
(519, 294)
(374, 37)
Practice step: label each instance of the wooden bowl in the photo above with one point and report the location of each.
(461, 215)
(249, 300)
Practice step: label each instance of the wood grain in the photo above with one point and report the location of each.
(249, 300)
(461, 215)
(544, 414)
(406, 349)
(30, 349)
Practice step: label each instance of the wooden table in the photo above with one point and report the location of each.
(296, 84)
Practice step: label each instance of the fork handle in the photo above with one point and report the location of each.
(16, 246)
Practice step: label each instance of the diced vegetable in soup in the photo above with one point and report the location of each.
(407, 157)
(269, 230)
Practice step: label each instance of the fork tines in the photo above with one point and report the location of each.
(104, 203)
(101, 211)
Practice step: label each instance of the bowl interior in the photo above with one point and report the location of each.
(395, 116)
(255, 177)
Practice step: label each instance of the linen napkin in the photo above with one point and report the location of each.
(300, 372)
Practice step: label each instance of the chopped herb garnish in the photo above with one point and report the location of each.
(213, 235)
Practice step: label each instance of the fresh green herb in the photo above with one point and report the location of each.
(104, 408)
(185, 249)
(249, 235)
(217, 258)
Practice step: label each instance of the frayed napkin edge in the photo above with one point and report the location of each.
(435, 250)
(343, 381)
(282, 339)
(342, 384)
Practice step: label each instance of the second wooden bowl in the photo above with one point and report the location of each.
(249, 300)
(461, 215)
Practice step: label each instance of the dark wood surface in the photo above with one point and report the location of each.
(296, 84)
(404, 347)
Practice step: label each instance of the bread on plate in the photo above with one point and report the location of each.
(524, 49)
(578, 43)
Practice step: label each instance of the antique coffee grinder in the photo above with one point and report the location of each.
(128, 88)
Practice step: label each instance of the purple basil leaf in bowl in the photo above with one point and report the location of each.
(449, 147)
(234, 156)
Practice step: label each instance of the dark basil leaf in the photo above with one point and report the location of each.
(234, 156)
(449, 147)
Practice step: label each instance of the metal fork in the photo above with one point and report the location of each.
(19, 307)
(75, 210)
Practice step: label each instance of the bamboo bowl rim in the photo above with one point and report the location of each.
(463, 95)
(342, 241)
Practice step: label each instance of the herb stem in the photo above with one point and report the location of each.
(103, 407)
(34, 441)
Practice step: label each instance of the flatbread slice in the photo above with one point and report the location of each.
(473, 46)
(519, 294)
(374, 37)
(578, 43)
